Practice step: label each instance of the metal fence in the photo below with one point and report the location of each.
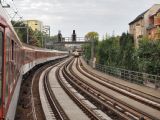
(128, 75)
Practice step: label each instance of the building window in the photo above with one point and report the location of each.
(137, 24)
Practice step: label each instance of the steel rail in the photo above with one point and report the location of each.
(80, 86)
(32, 95)
(119, 89)
(54, 104)
(140, 114)
(132, 90)
(88, 112)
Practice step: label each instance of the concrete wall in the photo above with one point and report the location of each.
(137, 30)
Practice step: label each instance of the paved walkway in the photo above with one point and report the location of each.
(70, 108)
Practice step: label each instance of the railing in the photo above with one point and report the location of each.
(128, 75)
(69, 39)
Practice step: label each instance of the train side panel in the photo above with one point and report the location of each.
(15, 61)
(27, 64)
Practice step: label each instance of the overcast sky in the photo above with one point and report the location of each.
(102, 16)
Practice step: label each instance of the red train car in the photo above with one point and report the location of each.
(16, 59)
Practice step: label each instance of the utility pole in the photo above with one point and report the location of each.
(93, 58)
(92, 49)
(49, 32)
(27, 35)
(42, 40)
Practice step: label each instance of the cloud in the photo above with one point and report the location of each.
(84, 15)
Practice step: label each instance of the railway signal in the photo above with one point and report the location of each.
(59, 36)
(74, 36)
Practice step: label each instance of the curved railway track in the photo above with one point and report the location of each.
(154, 101)
(90, 94)
(57, 109)
(142, 97)
(36, 109)
(123, 107)
(60, 77)
(96, 89)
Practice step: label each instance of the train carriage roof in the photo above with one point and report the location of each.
(29, 47)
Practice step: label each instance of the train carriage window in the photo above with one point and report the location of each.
(1, 39)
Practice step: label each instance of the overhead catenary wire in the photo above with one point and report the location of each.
(12, 11)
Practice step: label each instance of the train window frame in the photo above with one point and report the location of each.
(1, 68)
(12, 51)
(7, 80)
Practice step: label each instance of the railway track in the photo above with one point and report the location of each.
(72, 94)
(29, 105)
(121, 106)
(142, 97)
(59, 112)
(55, 106)
(148, 99)
(91, 94)
(36, 108)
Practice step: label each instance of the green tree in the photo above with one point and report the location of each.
(93, 37)
(121, 52)
(108, 51)
(149, 56)
(127, 53)
(34, 37)
(54, 38)
(21, 30)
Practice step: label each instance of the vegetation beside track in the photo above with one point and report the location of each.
(120, 52)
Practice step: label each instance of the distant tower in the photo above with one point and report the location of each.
(59, 36)
(74, 36)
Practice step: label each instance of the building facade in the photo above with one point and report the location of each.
(153, 29)
(146, 24)
(34, 24)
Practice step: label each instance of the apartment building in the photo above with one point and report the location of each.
(34, 24)
(146, 24)
(153, 29)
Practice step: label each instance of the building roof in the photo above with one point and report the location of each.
(138, 17)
